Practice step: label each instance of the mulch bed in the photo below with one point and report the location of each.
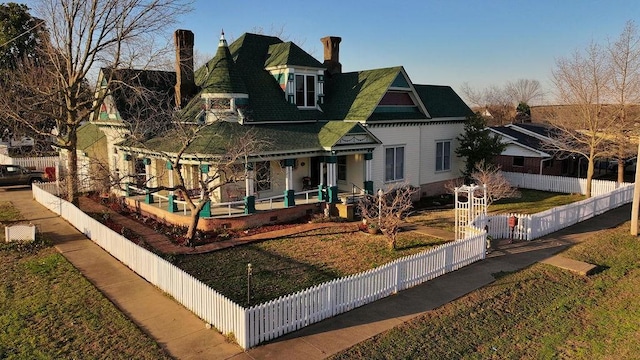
(175, 233)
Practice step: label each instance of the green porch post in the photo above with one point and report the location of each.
(173, 207)
(127, 190)
(332, 187)
(289, 193)
(368, 183)
(249, 204)
(289, 198)
(206, 210)
(148, 196)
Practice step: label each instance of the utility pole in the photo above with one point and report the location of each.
(636, 196)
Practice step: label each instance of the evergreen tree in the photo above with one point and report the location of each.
(477, 144)
(21, 35)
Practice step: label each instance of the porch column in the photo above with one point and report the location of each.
(289, 193)
(173, 207)
(148, 196)
(368, 176)
(321, 196)
(332, 179)
(206, 210)
(127, 170)
(249, 199)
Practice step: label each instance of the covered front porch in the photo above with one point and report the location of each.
(269, 183)
(321, 163)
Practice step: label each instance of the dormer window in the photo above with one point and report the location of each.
(305, 86)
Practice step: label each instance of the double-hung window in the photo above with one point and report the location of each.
(305, 90)
(394, 163)
(443, 155)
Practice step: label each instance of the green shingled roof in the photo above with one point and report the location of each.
(290, 54)
(133, 104)
(355, 95)
(219, 136)
(92, 141)
(88, 135)
(442, 101)
(220, 75)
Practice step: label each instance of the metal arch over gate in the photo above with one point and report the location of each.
(471, 202)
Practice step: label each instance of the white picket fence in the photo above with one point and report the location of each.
(37, 163)
(560, 184)
(277, 317)
(292, 312)
(205, 302)
(608, 195)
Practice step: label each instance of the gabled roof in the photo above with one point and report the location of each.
(290, 54)
(516, 135)
(355, 95)
(88, 135)
(442, 101)
(267, 101)
(92, 141)
(140, 94)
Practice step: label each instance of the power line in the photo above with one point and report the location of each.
(22, 34)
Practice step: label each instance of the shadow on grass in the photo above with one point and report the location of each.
(426, 246)
(272, 275)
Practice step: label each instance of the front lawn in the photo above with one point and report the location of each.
(48, 310)
(291, 264)
(541, 312)
(530, 202)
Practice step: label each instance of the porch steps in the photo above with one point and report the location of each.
(579, 267)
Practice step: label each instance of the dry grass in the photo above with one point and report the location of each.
(48, 310)
(540, 312)
(291, 264)
(530, 202)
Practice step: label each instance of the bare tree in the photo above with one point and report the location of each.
(84, 36)
(582, 124)
(227, 168)
(524, 91)
(387, 210)
(500, 102)
(498, 187)
(624, 60)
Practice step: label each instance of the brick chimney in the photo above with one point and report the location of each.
(185, 82)
(332, 54)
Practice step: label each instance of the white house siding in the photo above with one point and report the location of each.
(420, 153)
(430, 135)
(355, 174)
(392, 136)
(515, 150)
(114, 136)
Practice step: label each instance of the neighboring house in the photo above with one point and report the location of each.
(360, 130)
(526, 151)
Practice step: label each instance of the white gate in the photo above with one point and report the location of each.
(471, 202)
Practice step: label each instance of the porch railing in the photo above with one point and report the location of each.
(277, 198)
(305, 196)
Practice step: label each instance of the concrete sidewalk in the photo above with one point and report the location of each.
(181, 333)
(330, 336)
(185, 337)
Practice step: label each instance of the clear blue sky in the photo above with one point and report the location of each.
(444, 42)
